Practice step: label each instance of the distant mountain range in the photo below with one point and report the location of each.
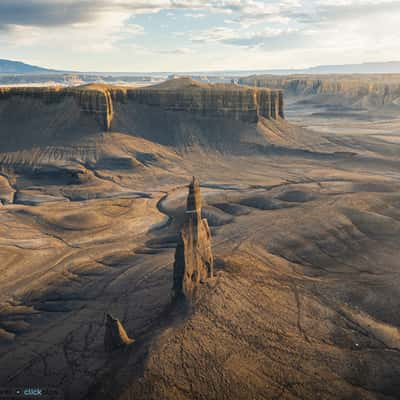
(392, 67)
(20, 68)
(8, 67)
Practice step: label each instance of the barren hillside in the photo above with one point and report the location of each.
(304, 230)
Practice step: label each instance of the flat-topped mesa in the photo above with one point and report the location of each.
(115, 335)
(180, 113)
(193, 256)
(241, 103)
(371, 91)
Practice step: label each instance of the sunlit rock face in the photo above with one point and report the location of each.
(241, 103)
(33, 103)
(193, 257)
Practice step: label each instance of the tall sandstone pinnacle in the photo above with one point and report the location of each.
(115, 335)
(193, 256)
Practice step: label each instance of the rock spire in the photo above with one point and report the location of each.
(193, 256)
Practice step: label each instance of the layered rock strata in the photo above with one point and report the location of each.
(94, 100)
(360, 90)
(236, 102)
(115, 335)
(193, 256)
(70, 122)
(216, 101)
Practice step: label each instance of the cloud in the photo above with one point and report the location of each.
(107, 31)
(234, 28)
(333, 12)
(67, 12)
(195, 16)
(179, 51)
(267, 38)
(271, 40)
(45, 13)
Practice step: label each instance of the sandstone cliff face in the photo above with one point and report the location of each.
(193, 257)
(180, 113)
(357, 90)
(92, 99)
(225, 101)
(98, 102)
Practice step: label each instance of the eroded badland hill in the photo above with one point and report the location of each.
(283, 255)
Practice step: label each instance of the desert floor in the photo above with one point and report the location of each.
(305, 302)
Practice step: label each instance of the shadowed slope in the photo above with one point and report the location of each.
(179, 113)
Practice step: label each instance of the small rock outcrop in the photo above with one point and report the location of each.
(193, 256)
(115, 335)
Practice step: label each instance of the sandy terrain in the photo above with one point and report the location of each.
(306, 239)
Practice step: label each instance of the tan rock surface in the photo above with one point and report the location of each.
(194, 262)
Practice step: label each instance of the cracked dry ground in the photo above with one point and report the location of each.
(304, 304)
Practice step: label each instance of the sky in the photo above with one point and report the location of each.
(194, 35)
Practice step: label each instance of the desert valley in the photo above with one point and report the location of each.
(291, 235)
